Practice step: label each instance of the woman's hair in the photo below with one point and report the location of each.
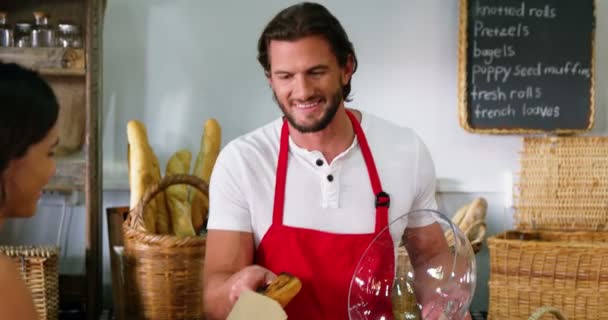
(308, 19)
(28, 111)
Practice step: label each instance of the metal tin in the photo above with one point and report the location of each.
(6, 33)
(22, 34)
(68, 36)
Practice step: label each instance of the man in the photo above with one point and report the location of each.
(307, 194)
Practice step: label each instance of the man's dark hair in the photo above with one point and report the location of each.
(307, 19)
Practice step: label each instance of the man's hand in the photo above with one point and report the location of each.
(442, 296)
(228, 257)
(249, 278)
(447, 304)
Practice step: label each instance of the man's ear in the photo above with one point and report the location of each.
(347, 70)
(268, 78)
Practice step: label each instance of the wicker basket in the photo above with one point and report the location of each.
(162, 273)
(540, 312)
(567, 270)
(563, 184)
(39, 267)
(559, 254)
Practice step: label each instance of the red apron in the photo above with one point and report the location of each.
(325, 262)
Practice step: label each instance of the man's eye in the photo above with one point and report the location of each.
(317, 74)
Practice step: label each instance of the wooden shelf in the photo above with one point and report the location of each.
(75, 76)
(63, 72)
(70, 174)
(48, 61)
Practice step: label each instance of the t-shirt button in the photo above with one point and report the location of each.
(330, 178)
(319, 162)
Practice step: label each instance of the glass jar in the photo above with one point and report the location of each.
(23, 35)
(6, 33)
(68, 36)
(42, 34)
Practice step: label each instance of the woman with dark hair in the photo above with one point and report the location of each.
(28, 137)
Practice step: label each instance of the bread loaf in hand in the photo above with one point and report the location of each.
(284, 288)
(177, 195)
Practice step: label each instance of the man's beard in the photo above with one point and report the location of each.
(326, 119)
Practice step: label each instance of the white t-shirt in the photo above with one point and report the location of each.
(243, 181)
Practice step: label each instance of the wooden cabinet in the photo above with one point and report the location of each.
(75, 75)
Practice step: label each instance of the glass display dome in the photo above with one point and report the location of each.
(421, 266)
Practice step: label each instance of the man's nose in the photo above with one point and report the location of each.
(303, 88)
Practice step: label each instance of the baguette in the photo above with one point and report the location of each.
(163, 219)
(177, 195)
(284, 288)
(476, 212)
(199, 208)
(205, 160)
(457, 218)
(142, 173)
(212, 139)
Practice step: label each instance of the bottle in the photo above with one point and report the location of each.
(42, 34)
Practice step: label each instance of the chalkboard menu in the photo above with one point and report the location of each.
(526, 66)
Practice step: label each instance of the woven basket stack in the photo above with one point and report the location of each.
(558, 254)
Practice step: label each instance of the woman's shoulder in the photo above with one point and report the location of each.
(6, 262)
(8, 271)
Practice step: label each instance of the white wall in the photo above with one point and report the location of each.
(199, 62)
(173, 64)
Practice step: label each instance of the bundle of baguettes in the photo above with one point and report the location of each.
(470, 219)
(179, 210)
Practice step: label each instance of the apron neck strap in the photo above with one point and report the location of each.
(382, 199)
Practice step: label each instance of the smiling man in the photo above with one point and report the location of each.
(307, 193)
